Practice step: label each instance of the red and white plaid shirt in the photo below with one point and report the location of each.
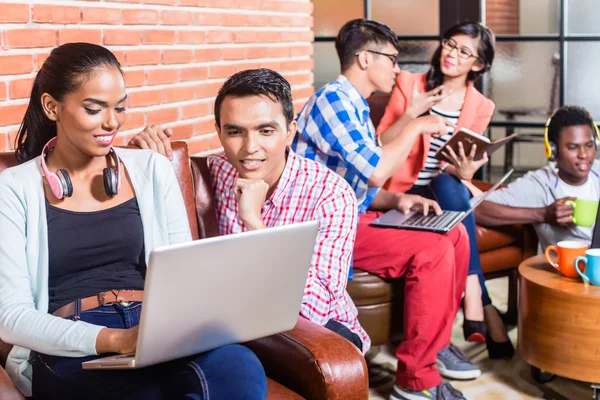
(307, 191)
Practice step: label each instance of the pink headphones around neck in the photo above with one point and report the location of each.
(60, 182)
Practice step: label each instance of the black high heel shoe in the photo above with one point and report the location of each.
(499, 350)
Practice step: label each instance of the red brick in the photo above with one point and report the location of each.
(162, 116)
(191, 37)
(14, 13)
(30, 38)
(12, 137)
(302, 93)
(120, 140)
(222, 3)
(17, 64)
(122, 37)
(140, 17)
(159, 37)
(281, 20)
(219, 37)
(181, 93)
(94, 15)
(172, 17)
(245, 66)
(164, 2)
(300, 51)
(278, 52)
(20, 88)
(145, 98)
(195, 110)
(135, 78)
(258, 20)
(177, 56)
(248, 4)
(12, 114)
(234, 53)
(56, 14)
(2, 91)
(258, 52)
(299, 79)
(204, 143)
(221, 71)
(204, 55)
(269, 36)
(212, 19)
(194, 74)
(274, 65)
(182, 132)
(143, 57)
(245, 37)
(121, 56)
(193, 3)
(207, 90)
(206, 126)
(162, 76)
(40, 58)
(79, 35)
(234, 20)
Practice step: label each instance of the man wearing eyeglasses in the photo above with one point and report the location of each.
(335, 128)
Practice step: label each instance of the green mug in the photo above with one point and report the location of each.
(584, 211)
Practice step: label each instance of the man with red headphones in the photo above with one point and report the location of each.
(542, 197)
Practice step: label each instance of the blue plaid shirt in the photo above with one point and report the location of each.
(334, 128)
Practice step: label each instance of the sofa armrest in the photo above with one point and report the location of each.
(314, 362)
(8, 390)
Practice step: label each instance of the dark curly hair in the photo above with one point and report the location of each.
(568, 116)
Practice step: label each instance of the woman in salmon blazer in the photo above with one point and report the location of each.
(465, 54)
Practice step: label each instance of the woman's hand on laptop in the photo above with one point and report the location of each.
(122, 341)
(408, 202)
(251, 195)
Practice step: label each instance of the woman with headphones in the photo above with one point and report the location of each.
(465, 54)
(78, 220)
(571, 140)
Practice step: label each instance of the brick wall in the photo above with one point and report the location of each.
(502, 16)
(175, 54)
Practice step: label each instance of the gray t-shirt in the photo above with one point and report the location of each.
(541, 188)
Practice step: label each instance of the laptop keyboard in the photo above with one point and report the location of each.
(431, 220)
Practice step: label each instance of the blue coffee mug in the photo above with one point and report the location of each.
(592, 266)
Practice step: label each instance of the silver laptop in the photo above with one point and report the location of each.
(415, 220)
(205, 294)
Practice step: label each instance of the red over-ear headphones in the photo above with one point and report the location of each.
(60, 182)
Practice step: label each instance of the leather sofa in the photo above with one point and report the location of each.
(307, 362)
(380, 302)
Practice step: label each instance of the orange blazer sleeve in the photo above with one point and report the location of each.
(483, 116)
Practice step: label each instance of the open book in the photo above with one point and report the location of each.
(470, 138)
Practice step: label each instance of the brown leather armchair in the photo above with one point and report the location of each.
(307, 362)
(380, 302)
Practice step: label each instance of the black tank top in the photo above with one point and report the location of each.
(92, 252)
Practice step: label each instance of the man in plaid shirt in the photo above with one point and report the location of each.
(260, 182)
(335, 129)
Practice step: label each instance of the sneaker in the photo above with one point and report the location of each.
(444, 391)
(452, 363)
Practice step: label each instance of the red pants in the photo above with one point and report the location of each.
(435, 269)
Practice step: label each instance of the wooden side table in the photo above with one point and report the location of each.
(559, 324)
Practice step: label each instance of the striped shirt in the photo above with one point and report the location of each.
(307, 191)
(432, 164)
(335, 129)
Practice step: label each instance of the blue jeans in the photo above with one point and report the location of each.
(452, 195)
(229, 372)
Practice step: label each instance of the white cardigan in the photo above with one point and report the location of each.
(24, 318)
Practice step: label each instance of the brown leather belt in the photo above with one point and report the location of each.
(101, 299)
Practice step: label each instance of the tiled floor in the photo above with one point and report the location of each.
(501, 380)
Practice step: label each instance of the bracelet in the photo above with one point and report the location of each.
(443, 167)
